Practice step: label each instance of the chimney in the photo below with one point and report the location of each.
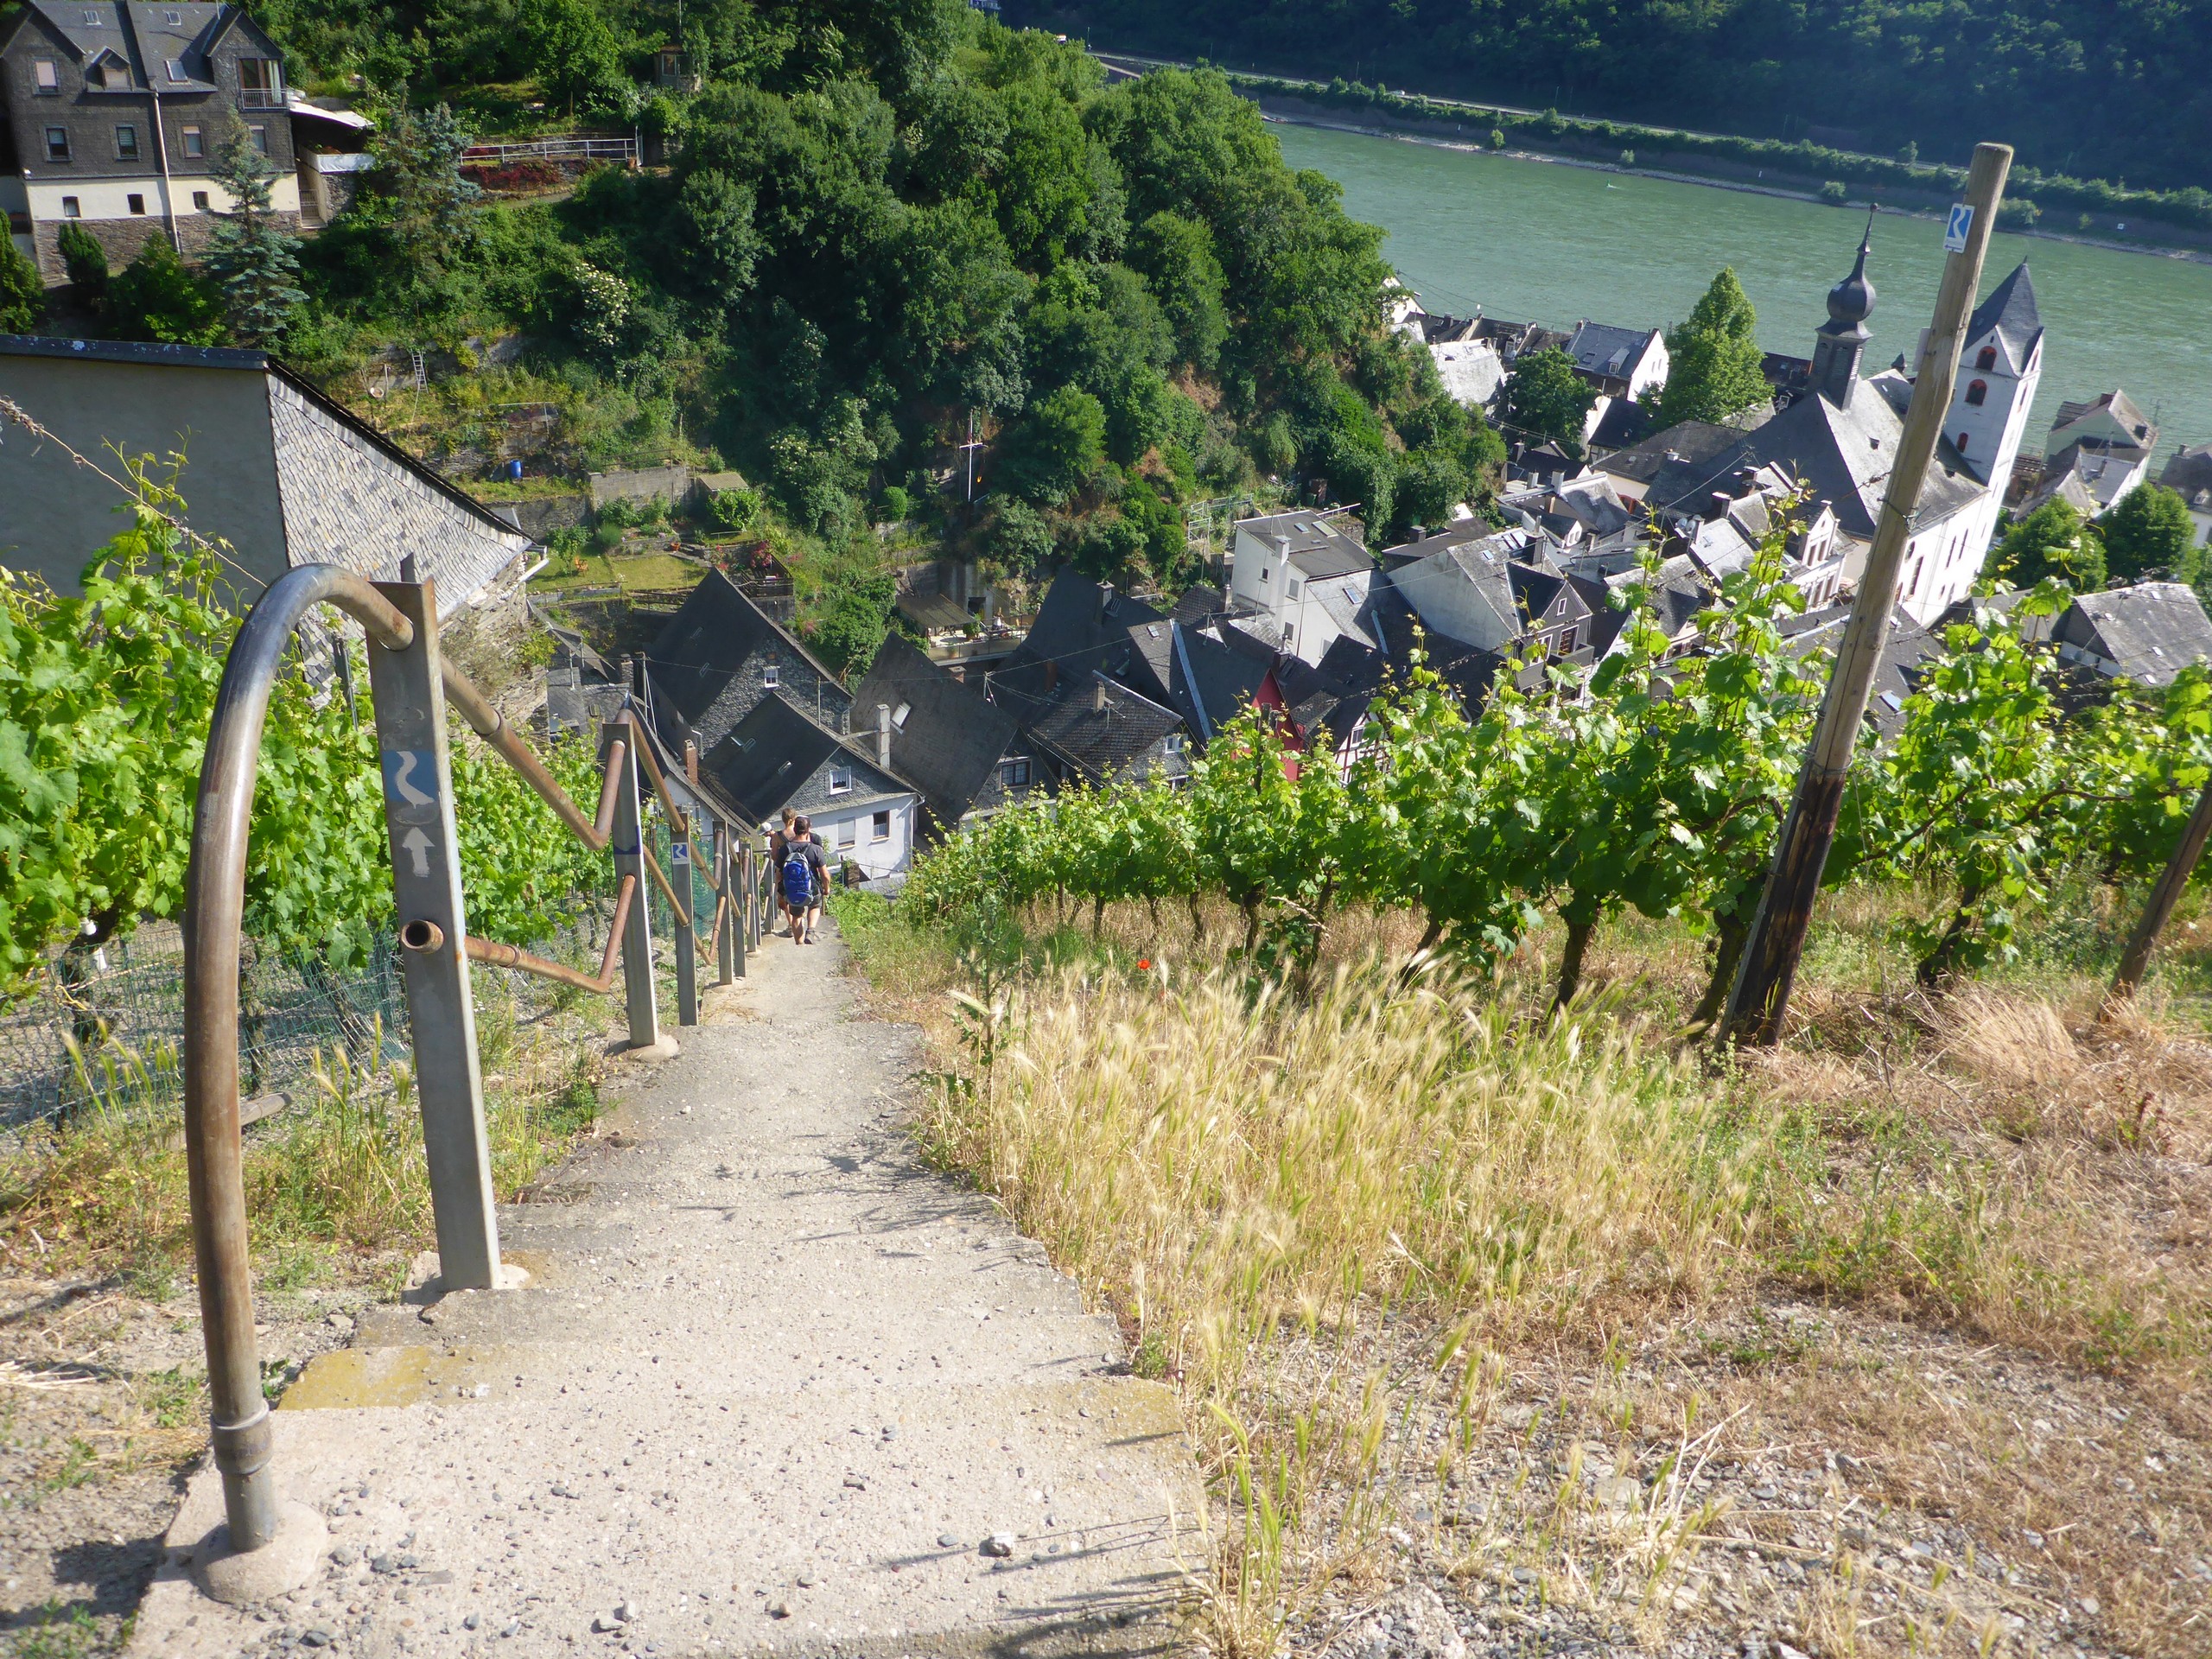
(1052, 673)
(1098, 694)
(1105, 600)
(691, 759)
(1716, 505)
(1282, 549)
(883, 735)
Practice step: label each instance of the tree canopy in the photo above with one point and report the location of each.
(1545, 398)
(1713, 359)
(2148, 532)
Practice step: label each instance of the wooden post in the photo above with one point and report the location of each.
(2164, 897)
(1760, 997)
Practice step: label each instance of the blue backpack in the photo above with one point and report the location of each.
(799, 875)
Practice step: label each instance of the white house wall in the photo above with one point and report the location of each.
(875, 858)
(105, 199)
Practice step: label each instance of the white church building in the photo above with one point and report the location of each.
(1837, 433)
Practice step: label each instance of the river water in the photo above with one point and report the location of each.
(1538, 241)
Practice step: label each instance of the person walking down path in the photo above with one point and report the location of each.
(804, 875)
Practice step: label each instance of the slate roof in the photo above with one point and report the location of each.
(1471, 370)
(1217, 676)
(1312, 533)
(186, 42)
(704, 646)
(2123, 410)
(1685, 445)
(2011, 310)
(1081, 626)
(950, 742)
(2149, 632)
(1624, 421)
(1102, 742)
(2190, 471)
(1907, 653)
(766, 758)
(1600, 348)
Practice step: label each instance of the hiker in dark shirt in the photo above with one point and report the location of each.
(803, 877)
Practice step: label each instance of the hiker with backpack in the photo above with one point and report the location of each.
(804, 874)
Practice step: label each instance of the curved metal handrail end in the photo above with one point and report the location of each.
(214, 904)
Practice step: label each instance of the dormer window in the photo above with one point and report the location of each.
(840, 780)
(770, 675)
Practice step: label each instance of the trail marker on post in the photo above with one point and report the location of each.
(628, 844)
(410, 710)
(687, 949)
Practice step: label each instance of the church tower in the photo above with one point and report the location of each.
(2000, 366)
(1842, 340)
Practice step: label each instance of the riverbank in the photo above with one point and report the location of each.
(1274, 111)
(2106, 214)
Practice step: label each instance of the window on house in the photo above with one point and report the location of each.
(840, 780)
(70, 208)
(1988, 359)
(261, 139)
(1963, 436)
(57, 143)
(771, 675)
(199, 201)
(1566, 643)
(1265, 574)
(1977, 393)
(195, 146)
(879, 827)
(137, 202)
(848, 833)
(174, 70)
(173, 18)
(257, 82)
(45, 78)
(1292, 590)
(1174, 743)
(899, 715)
(1013, 774)
(126, 144)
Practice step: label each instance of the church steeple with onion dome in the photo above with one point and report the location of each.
(1842, 340)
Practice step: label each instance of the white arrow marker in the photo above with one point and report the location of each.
(417, 844)
(408, 793)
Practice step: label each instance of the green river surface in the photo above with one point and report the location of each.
(1538, 241)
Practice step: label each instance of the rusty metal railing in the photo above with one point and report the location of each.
(412, 684)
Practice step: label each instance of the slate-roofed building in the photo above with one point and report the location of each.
(1099, 730)
(2189, 474)
(718, 657)
(2147, 633)
(776, 757)
(1305, 572)
(966, 756)
(115, 112)
(2109, 422)
(1620, 362)
(282, 473)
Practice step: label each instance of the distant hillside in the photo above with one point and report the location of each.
(2121, 89)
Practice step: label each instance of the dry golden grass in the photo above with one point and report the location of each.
(1353, 1227)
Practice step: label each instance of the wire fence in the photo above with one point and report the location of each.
(107, 1027)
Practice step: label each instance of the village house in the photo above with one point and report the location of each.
(1620, 362)
(778, 757)
(720, 657)
(2189, 474)
(2098, 451)
(1306, 573)
(282, 473)
(965, 756)
(116, 111)
(2146, 634)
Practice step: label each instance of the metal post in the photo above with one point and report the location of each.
(687, 949)
(729, 963)
(410, 710)
(1760, 997)
(627, 845)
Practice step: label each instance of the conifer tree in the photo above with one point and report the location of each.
(23, 297)
(87, 263)
(252, 257)
(1715, 359)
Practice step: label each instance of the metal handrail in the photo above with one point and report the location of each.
(214, 910)
(213, 926)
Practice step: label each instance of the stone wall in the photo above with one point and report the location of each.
(348, 500)
(122, 238)
(669, 484)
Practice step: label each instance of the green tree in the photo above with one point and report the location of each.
(1714, 358)
(251, 256)
(23, 297)
(1545, 400)
(1176, 256)
(1056, 446)
(155, 297)
(428, 210)
(719, 243)
(85, 261)
(2148, 532)
(2052, 541)
(573, 51)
